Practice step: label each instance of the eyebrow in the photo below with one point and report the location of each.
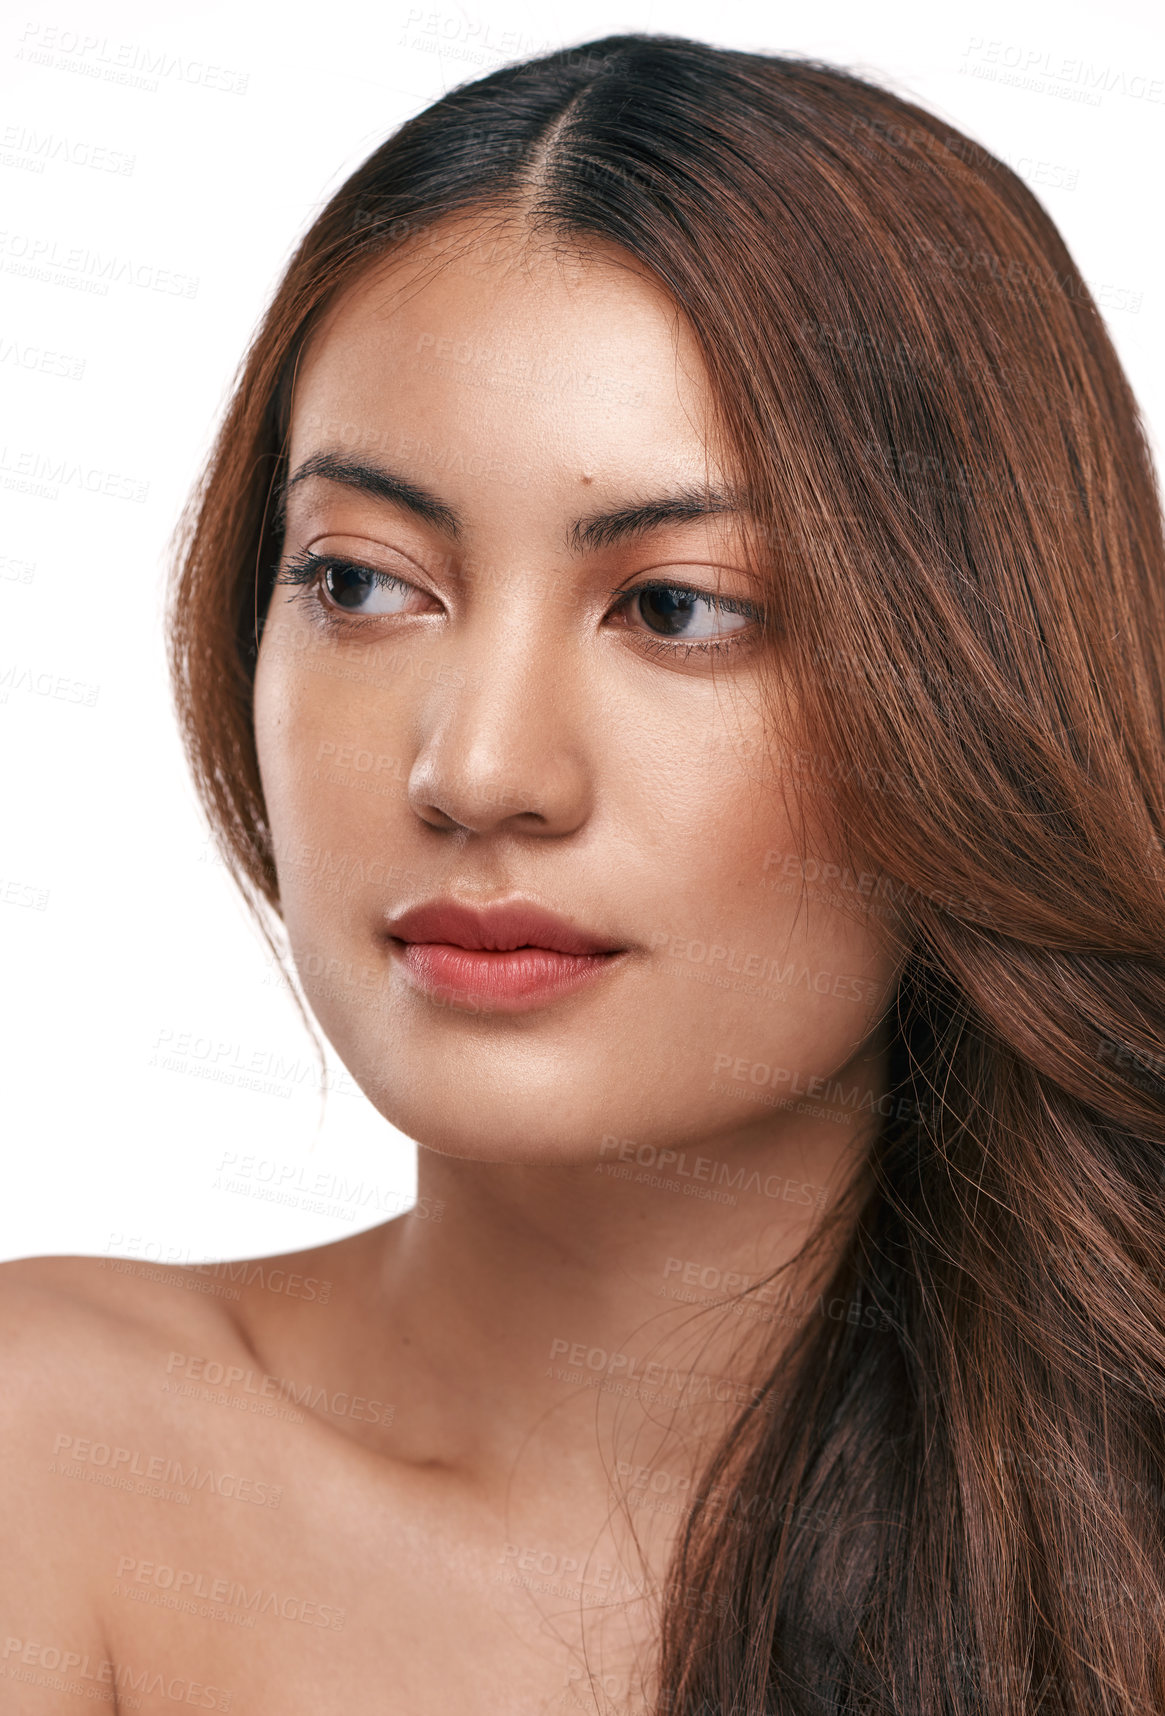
(589, 533)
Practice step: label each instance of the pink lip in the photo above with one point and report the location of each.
(498, 959)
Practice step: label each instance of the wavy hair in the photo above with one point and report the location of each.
(953, 1506)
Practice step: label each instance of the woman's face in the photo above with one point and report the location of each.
(498, 717)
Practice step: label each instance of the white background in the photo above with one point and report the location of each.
(120, 934)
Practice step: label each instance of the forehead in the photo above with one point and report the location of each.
(486, 352)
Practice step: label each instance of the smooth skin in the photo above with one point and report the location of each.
(531, 730)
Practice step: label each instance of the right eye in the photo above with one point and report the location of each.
(361, 590)
(347, 585)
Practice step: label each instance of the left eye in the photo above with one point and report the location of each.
(689, 615)
(360, 590)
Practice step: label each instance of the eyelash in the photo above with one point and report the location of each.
(307, 569)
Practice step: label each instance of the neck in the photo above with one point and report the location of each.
(551, 1299)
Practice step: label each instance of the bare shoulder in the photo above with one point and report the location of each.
(91, 1418)
(82, 1346)
(92, 1309)
(82, 1352)
(106, 1341)
(193, 1425)
(81, 1328)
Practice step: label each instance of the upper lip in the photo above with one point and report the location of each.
(499, 928)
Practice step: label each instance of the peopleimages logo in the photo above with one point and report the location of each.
(756, 971)
(237, 1379)
(627, 1373)
(38, 254)
(229, 1593)
(680, 1166)
(82, 1451)
(56, 472)
(817, 1088)
(31, 1661)
(1080, 79)
(136, 65)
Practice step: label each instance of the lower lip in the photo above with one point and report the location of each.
(481, 981)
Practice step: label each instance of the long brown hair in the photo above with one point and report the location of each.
(954, 1505)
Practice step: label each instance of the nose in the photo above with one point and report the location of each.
(503, 738)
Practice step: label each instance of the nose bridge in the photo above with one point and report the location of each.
(502, 737)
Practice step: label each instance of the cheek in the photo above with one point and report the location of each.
(795, 977)
(792, 976)
(312, 771)
(288, 724)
